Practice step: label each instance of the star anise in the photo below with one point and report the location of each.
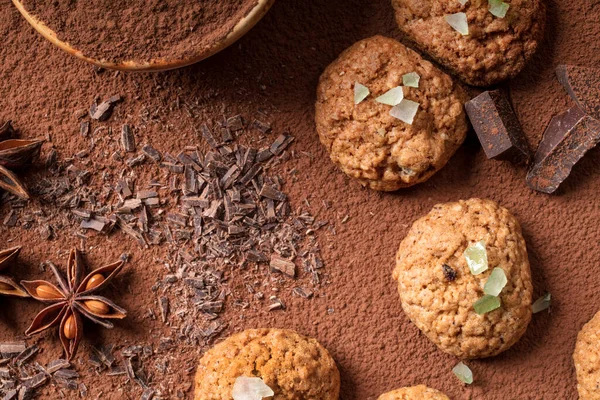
(8, 287)
(74, 299)
(15, 153)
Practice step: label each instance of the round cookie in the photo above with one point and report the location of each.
(364, 140)
(587, 360)
(420, 392)
(292, 365)
(440, 300)
(495, 49)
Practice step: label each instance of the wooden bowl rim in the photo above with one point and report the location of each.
(240, 29)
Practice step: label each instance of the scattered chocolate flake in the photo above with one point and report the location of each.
(208, 136)
(35, 381)
(127, 139)
(152, 153)
(449, 272)
(84, 128)
(26, 355)
(135, 161)
(235, 123)
(283, 265)
(276, 304)
(12, 349)
(299, 291)
(272, 193)
(262, 126)
(55, 365)
(164, 308)
(147, 394)
(226, 134)
(103, 111)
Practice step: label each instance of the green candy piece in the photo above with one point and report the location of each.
(476, 257)
(463, 373)
(486, 304)
(360, 92)
(498, 8)
(542, 303)
(495, 282)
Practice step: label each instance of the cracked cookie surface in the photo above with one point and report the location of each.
(292, 365)
(495, 49)
(442, 307)
(364, 140)
(587, 360)
(420, 392)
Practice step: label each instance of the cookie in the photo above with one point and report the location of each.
(495, 48)
(420, 392)
(292, 365)
(587, 360)
(364, 140)
(438, 290)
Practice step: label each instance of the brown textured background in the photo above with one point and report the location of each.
(276, 67)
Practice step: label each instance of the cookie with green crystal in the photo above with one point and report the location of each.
(464, 278)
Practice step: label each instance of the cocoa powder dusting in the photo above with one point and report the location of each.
(270, 76)
(140, 30)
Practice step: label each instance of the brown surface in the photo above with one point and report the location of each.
(292, 365)
(358, 317)
(421, 392)
(587, 360)
(443, 308)
(140, 30)
(364, 140)
(495, 49)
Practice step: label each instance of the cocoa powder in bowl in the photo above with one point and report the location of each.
(140, 30)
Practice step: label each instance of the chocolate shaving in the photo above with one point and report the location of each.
(271, 193)
(152, 153)
(127, 139)
(208, 136)
(283, 265)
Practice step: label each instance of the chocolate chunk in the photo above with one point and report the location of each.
(566, 140)
(583, 85)
(497, 127)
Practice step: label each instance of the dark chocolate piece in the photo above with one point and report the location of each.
(497, 127)
(566, 140)
(583, 85)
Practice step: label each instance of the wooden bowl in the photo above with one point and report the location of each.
(240, 29)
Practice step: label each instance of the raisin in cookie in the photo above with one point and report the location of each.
(364, 140)
(292, 365)
(420, 392)
(495, 48)
(587, 360)
(438, 290)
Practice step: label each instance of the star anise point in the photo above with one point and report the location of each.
(73, 299)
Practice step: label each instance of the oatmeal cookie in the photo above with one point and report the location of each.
(587, 360)
(438, 290)
(420, 392)
(364, 140)
(495, 48)
(293, 366)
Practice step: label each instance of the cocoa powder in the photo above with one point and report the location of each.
(140, 30)
(356, 315)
